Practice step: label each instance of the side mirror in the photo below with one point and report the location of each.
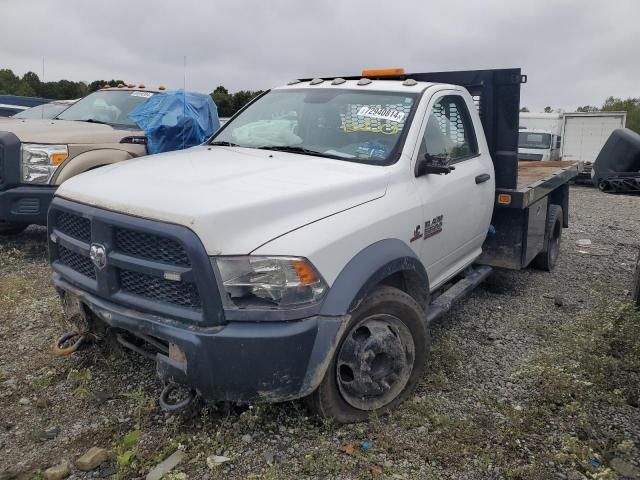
(432, 164)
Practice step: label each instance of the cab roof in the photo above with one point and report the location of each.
(366, 84)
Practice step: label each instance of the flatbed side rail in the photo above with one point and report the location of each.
(529, 192)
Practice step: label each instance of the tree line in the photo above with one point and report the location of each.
(612, 104)
(30, 85)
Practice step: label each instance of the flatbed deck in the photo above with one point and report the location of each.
(537, 179)
(531, 173)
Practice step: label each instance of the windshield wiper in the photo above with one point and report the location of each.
(93, 120)
(302, 150)
(280, 148)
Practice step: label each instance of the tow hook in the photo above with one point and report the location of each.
(68, 343)
(185, 397)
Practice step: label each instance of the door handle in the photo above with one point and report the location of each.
(482, 178)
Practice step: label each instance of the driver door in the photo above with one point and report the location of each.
(457, 207)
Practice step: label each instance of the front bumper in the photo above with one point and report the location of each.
(26, 204)
(239, 361)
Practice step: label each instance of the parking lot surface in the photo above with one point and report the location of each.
(535, 376)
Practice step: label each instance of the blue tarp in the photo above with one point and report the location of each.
(176, 120)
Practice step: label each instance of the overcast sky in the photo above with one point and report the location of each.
(575, 52)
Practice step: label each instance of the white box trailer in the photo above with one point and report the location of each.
(551, 122)
(584, 134)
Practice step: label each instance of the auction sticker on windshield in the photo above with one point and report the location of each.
(381, 113)
(142, 94)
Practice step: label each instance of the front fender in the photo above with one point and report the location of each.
(87, 161)
(367, 269)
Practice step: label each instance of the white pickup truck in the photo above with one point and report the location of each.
(303, 250)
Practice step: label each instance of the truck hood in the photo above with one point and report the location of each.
(234, 199)
(65, 131)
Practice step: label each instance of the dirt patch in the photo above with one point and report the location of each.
(535, 376)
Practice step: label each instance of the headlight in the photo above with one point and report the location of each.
(39, 162)
(270, 282)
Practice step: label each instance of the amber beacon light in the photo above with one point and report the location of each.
(383, 72)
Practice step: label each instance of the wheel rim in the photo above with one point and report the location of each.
(375, 362)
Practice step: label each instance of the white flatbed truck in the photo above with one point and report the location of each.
(303, 250)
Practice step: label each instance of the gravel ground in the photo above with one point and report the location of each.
(535, 376)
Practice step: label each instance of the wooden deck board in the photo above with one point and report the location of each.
(532, 172)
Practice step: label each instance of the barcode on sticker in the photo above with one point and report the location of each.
(382, 113)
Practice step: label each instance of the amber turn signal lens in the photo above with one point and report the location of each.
(305, 273)
(504, 199)
(58, 158)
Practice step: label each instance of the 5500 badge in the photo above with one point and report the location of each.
(431, 228)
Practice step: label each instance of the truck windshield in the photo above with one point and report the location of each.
(361, 126)
(47, 110)
(106, 106)
(534, 140)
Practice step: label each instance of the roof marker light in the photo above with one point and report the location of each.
(383, 72)
(364, 81)
(162, 87)
(409, 82)
(293, 82)
(316, 81)
(141, 85)
(121, 85)
(338, 81)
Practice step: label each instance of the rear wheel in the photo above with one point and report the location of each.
(547, 259)
(636, 282)
(12, 228)
(379, 361)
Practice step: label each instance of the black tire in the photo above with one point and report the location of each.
(636, 282)
(389, 325)
(12, 228)
(547, 259)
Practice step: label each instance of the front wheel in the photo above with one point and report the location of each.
(379, 360)
(12, 228)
